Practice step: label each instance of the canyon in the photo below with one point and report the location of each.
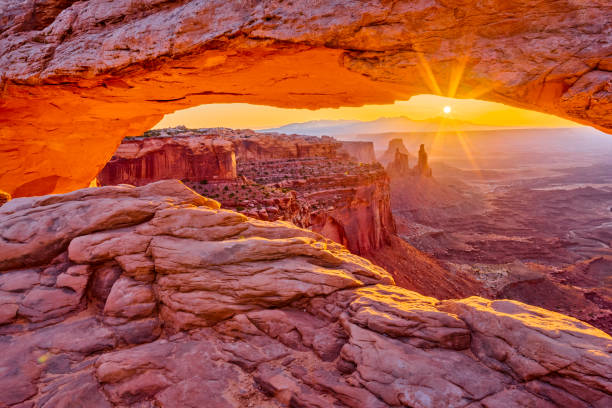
(312, 183)
(69, 68)
(309, 181)
(220, 267)
(154, 296)
(531, 224)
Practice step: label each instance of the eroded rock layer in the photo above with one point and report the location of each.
(153, 296)
(142, 160)
(71, 68)
(313, 182)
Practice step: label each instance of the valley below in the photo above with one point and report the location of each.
(503, 214)
(537, 227)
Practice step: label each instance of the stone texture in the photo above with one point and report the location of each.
(335, 188)
(4, 197)
(403, 314)
(389, 155)
(129, 299)
(500, 344)
(265, 315)
(423, 168)
(140, 161)
(77, 66)
(400, 166)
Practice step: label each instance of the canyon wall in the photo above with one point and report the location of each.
(344, 200)
(77, 77)
(356, 210)
(330, 193)
(269, 146)
(156, 297)
(139, 161)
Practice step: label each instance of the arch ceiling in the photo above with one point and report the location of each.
(78, 76)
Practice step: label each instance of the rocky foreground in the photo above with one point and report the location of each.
(153, 296)
(80, 66)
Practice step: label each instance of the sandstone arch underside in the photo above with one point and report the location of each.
(78, 76)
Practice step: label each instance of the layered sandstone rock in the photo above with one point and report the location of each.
(123, 296)
(142, 160)
(69, 69)
(253, 146)
(400, 166)
(313, 182)
(345, 201)
(205, 154)
(4, 197)
(422, 167)
(359, 216)
(389, 155)
(332, 194)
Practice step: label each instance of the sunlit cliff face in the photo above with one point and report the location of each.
(78, 81)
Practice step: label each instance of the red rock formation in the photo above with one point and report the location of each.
(399, 167)
(77, 66)
(142, 160)
(389, 155)
(254, 146)
(423, 168)
(155, 296)
(362, 152)
(358, 213)
(397, 158)
(343, 200)
(4, 197)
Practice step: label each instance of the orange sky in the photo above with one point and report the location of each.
(240, 115)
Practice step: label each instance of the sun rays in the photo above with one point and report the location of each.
(446, 128)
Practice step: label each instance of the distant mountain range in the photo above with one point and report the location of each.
(381, 125)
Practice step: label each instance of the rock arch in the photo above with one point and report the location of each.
(77, 76)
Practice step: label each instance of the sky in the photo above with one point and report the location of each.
(419, 107)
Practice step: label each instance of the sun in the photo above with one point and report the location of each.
(447, 109)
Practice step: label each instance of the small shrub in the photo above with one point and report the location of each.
(203, 181)
(239, 208)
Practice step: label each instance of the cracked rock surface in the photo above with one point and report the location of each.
(153, 296)
(69, 69)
